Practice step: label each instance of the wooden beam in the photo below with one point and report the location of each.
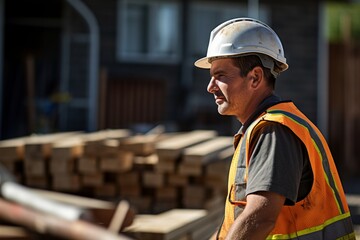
(100, 210)
(121, 162)
(153, 179)
(88, 165)
(12, 149)
(207, 151)
(40, 146)
(172, 147)
(13, 233)
(173, 224)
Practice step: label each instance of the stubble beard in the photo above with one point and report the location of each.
(223, 109)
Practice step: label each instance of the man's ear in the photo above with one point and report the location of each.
(256, 76)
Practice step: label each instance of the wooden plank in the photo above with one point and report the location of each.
(109, 147)
(172, 147)
(215, 202)
(12, 149)
(92, 149)
(130, 191)
(220, 167)
(57, 166)
(100, 210)
(145, 163)
(177, 180)
(216, 182)
(169, 193)
(166, 167)
(207, 151)
(66, 182)
(68, 148)
(163, 205)
(121, 162)
(93, 141)
(190, 169)
(99, 136)
(13, 233)
(141, 204)
(141, 145)
(37, 150)
(118, 221)
(36, 167)
(128, 179)
(145, 145)
(37, 181)
(106, 190)
(194, 196)
(51, 225)
(15, 167)
(169, 225)
(153, 179)
(40, 146)
(88, 165)
(92, 180)
(209, 225)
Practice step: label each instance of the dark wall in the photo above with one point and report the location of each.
(297, 26)
(32, 36)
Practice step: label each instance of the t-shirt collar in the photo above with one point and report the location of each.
(263, 106)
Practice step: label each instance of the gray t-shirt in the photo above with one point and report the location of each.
(279, 163)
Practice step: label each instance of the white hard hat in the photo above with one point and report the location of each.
(245, 36)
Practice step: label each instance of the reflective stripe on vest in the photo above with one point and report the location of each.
(320, 148)
(336, 226)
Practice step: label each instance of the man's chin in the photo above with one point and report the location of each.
(222, 111)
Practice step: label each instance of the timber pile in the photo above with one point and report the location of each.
(154, 172)
(175, 224)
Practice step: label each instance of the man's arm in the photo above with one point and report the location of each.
(258, 218)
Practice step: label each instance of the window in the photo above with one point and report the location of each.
(148, 31)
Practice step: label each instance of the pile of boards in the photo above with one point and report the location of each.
(154, 172)
(176, 224)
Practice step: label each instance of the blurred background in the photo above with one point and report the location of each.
(87, 65)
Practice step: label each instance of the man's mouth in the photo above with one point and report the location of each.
(219, 100)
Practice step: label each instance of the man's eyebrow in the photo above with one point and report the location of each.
(216, 72)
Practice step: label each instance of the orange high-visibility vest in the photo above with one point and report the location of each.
(324, 213)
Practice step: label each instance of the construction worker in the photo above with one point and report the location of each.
(282, 183)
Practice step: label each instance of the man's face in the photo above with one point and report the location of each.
(231, 91)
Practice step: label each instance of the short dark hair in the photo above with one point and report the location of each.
(248, 62)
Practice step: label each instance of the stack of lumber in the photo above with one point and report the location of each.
(176, 224)
(154, 172)
(102, 161)
(27, 158)
(12, 156)
(183, 170)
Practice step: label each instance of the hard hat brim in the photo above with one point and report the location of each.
(203, 63)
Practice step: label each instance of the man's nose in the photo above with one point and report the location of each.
(211, 88)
